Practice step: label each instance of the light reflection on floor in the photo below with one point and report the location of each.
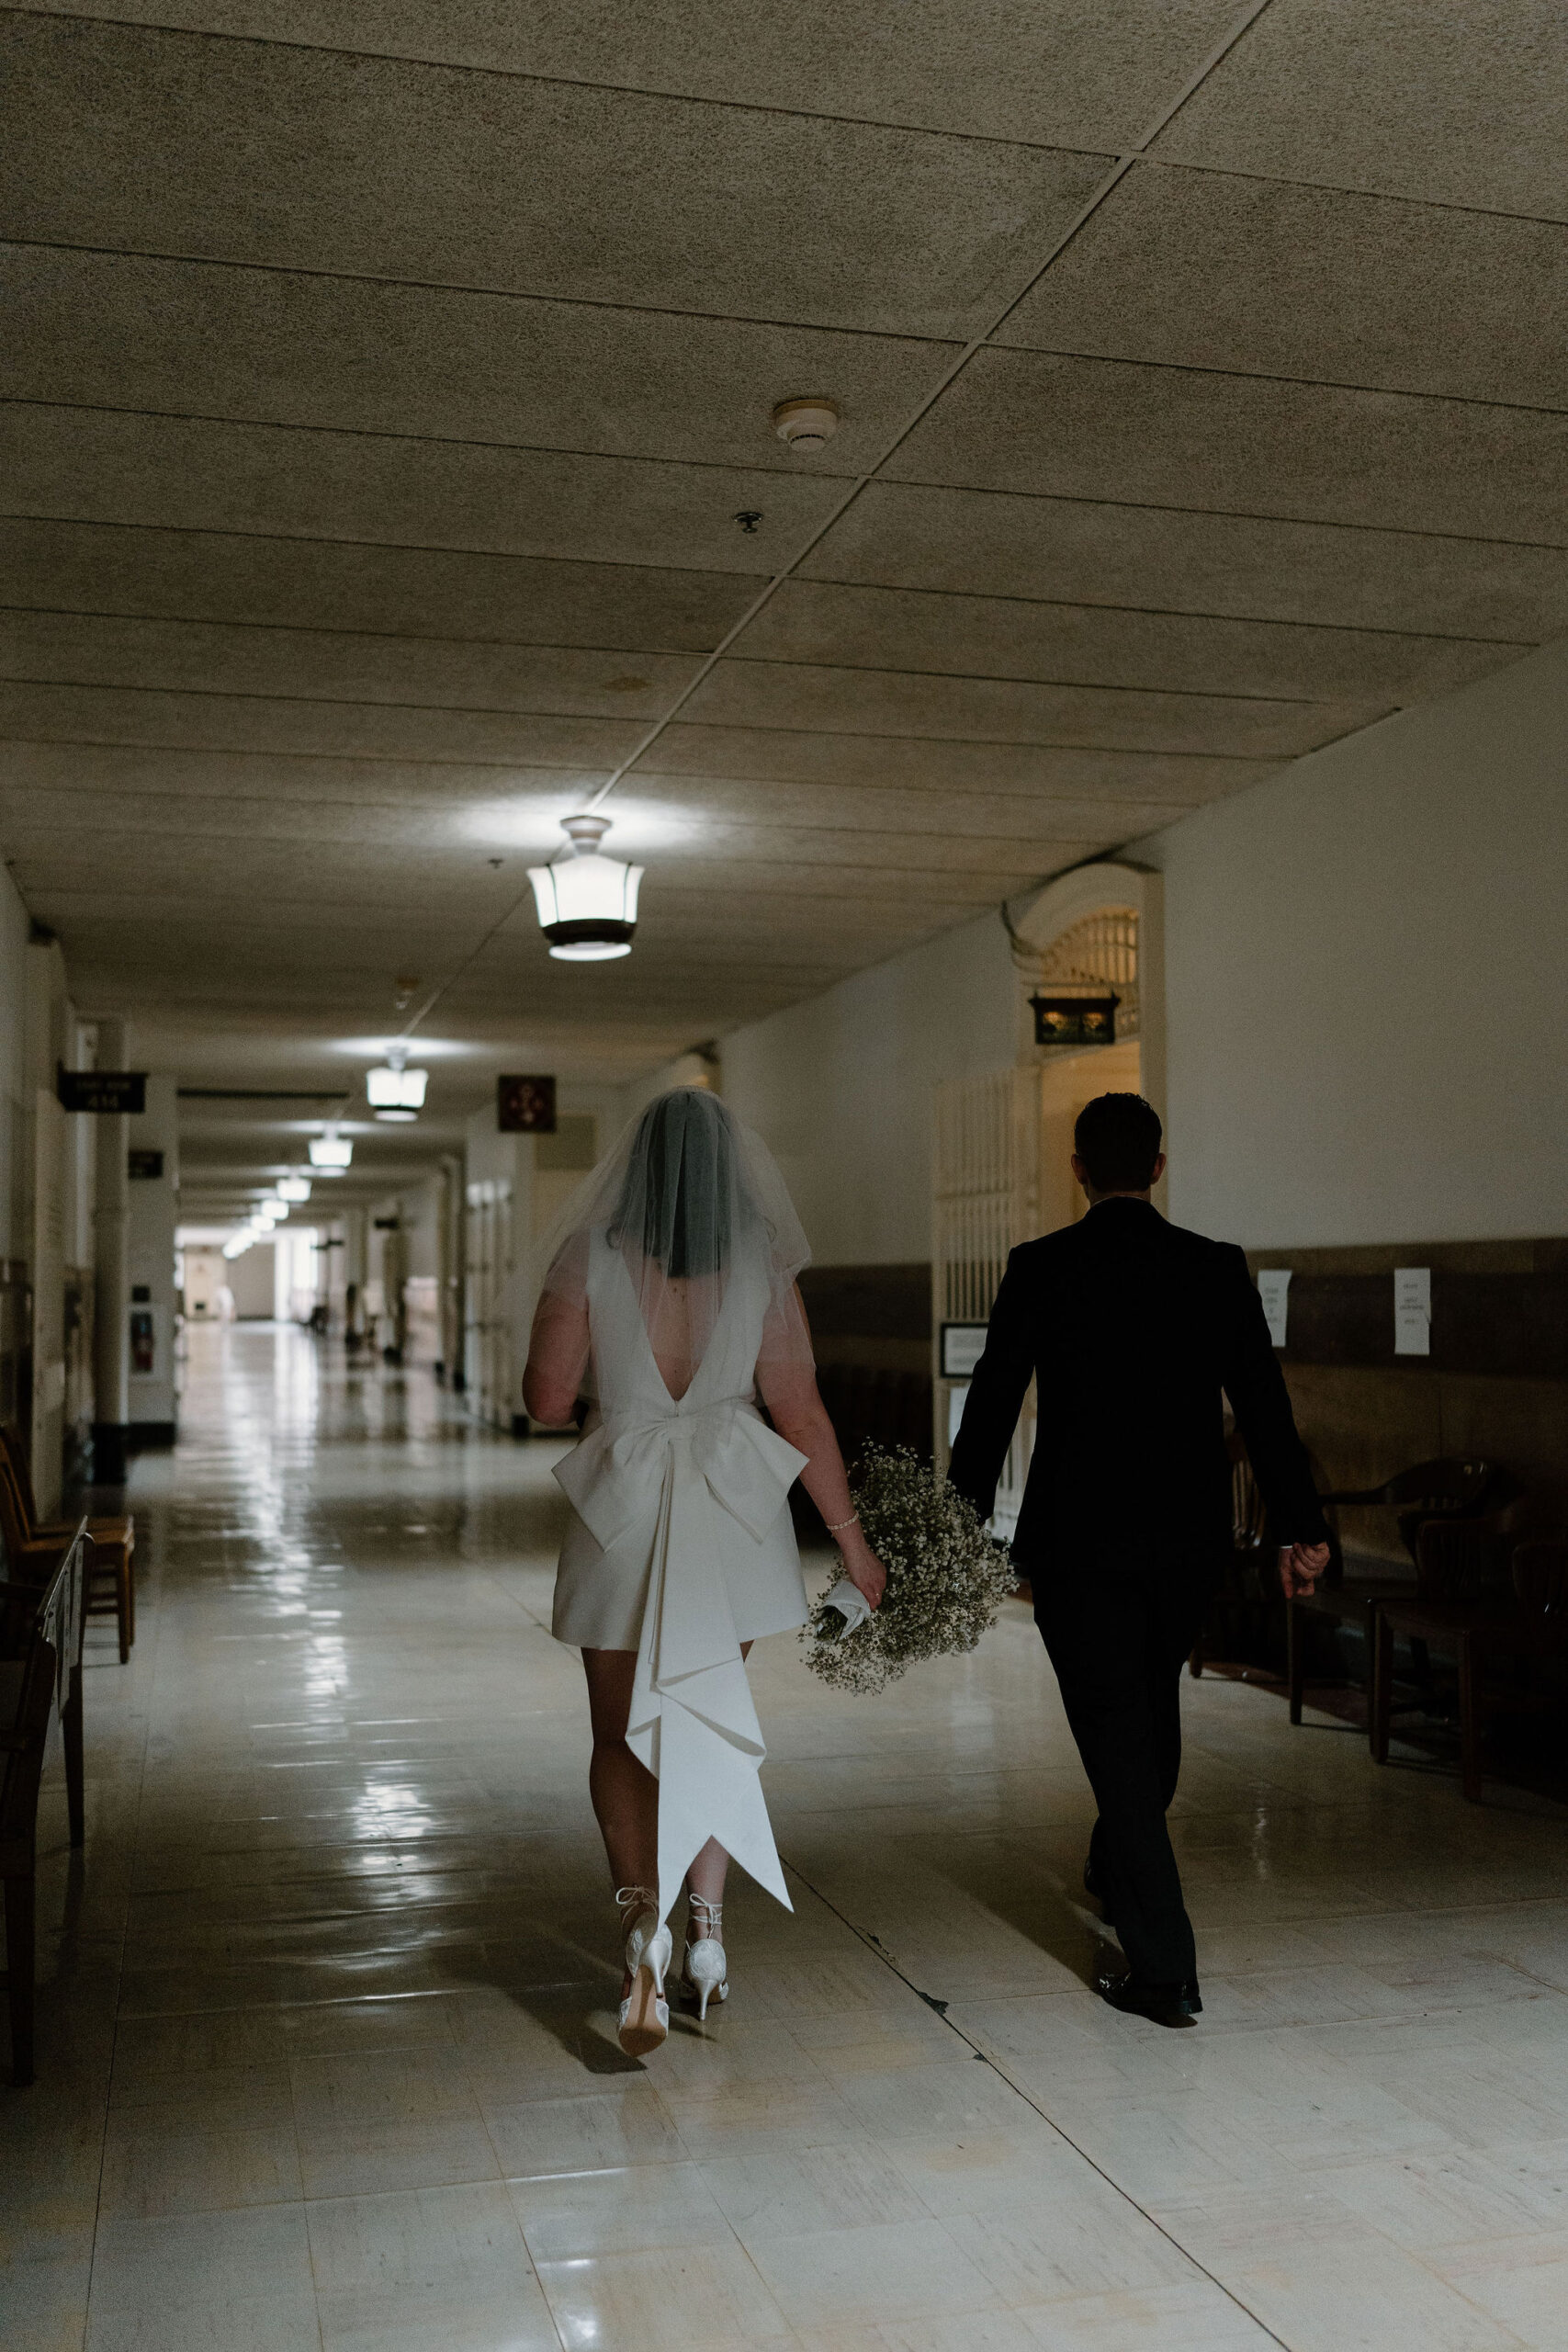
(327, 2056)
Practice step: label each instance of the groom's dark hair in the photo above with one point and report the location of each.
(1117, 1137)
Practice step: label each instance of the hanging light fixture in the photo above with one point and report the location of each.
(293, 1187)
(588, 903)
(394, 1088)
(331, 1154)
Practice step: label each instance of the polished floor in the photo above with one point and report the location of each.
(328, 2053)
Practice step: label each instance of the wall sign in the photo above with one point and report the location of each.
(146, 1167)
(962, 1344)
(1074, 1020)
(1413, 1310)
(109, 1092)
(525, 1106)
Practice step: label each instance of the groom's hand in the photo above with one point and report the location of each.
(1300, 1564)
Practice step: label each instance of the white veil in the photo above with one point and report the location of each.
(691, 1201)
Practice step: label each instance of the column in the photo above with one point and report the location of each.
(111, 1245)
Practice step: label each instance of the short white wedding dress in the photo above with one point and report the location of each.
(681, 1546)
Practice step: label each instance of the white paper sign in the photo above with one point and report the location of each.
(1413, 1310)
(957, 1400)
(1273, 1288)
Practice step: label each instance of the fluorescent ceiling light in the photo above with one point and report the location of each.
(396, 1088)
(293, 1187)
(331, 1154)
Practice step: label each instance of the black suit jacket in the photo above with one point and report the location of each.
(1131, 1328)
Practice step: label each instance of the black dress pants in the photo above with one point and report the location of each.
(1119, 1630)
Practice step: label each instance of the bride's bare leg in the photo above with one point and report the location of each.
(623, 1791)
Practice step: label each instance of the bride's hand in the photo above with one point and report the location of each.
(865, 1572)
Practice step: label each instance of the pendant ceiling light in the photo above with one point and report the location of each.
(588, 903)
(293, 1187)
(395, 1087)
(330, 1154)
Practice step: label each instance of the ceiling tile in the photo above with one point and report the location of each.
(1163, 560)
(1062, 70)
(397, 591)
(261, 723)
(94, 466)
(1454, 101)
(763, 694)
(765, 754)
(1205, 269)
(1094, 645)
(72, 764)
(335, 665)
(313, 159)
(907, 809)
(1095, 428)
(279, 347)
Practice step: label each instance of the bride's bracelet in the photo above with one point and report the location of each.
(854, 1521)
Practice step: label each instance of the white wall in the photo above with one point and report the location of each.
(15, 1126)
(154, 1210)
(839, 1087)
(1367, 982)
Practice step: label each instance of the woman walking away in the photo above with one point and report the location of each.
(671, 1301)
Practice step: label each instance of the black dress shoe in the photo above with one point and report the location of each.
(1171, 2004)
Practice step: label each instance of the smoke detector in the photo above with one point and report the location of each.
(805, 424)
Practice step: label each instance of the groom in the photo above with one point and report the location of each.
(1130, 1329)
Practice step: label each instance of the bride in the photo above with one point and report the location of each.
(671, 1301)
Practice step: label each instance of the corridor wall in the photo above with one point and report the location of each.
(1367, 982)
(839, 1087)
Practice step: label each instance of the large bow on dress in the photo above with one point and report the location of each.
(700, 1468)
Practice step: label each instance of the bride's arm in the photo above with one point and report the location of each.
(800, 1417)
(558, 1358)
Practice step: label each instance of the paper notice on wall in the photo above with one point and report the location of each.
(1413, 1310)
(1274, 1289)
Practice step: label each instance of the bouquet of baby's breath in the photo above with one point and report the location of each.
(946, 1579)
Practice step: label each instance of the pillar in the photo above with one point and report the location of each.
(111, 1247)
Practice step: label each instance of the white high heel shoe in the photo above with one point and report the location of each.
(704, 1969)
(645, 2012)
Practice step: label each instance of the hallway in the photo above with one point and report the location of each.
(336, 2064)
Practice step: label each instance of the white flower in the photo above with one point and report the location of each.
(946, 1579)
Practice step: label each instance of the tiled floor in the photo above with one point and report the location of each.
(328, 2055)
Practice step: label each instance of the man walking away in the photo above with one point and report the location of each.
(1131, 1328)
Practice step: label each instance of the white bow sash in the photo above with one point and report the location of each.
(692, 1722)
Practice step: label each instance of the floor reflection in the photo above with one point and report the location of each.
(328, 2055)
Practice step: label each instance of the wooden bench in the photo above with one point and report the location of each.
(40, 1669)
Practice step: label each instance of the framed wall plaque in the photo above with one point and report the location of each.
(525, 1106)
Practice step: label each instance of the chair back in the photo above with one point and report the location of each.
(1461, 1559)
(15, 1465)
(1540, 1580)
(1247, 1498)
(44, 1652)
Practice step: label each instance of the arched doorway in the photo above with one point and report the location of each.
(1002, 1141)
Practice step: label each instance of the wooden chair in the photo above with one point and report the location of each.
(1447, 1489)
(1244, 1589)
(40, 1667)
(111, 1564)
(1465, 1607)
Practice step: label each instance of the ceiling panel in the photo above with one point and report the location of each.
(1451, 101)
(1086, 644)
(1003, 710)
(232, 722)
(763, 754)
(1095, 428)
(251, 152)
(903, 810)
(1060, 71)
(96, 466)
(95, 649)
(1165, 558)
(281, 347)
(1206, 269)
(278, 778)
(398, 591)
